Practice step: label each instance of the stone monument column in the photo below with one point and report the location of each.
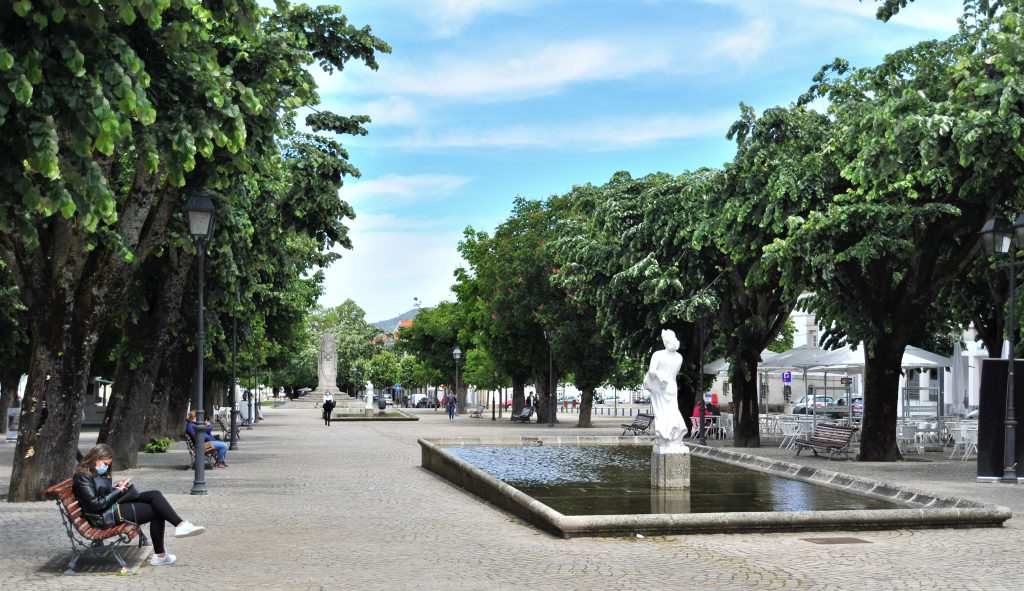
(327, 364)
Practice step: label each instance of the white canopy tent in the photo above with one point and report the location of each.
(851, 361)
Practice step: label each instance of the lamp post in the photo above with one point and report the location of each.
(494, 416)
(701, 435)
(997, 237)
(234, 375)
(549, 336)
(457, 354)
(200, 212)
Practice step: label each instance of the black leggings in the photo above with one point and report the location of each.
(151, 507)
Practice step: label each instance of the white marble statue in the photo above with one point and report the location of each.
(327, 363)
(368, 397)
(660, 382)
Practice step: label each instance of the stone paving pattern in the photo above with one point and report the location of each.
(306, 506)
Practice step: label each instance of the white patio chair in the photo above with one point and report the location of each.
(790, 432)
(971, 442)
(959, 441)
(907, 435)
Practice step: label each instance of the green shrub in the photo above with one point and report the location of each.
(158, 446)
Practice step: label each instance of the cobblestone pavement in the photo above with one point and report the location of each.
(305, 506)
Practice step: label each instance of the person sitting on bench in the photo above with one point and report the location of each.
(220, 446)
(105, 505)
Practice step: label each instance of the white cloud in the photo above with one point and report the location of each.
(403, 188)
(391, 110)
(402, 264)
(607, 134)
(508, 74)
(446, 18)
(746, 44)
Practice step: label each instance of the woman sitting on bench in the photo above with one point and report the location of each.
(220, 446)
(105, 505)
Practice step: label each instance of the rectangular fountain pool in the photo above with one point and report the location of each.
(613, 480)
(600, 486)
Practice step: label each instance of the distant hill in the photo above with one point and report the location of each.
(390, 324)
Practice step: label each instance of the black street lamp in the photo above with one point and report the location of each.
(701, 333)
(234, 375)
(997, 238)
(549, 335)
(200, 212)
(494, 416)
(457, 354)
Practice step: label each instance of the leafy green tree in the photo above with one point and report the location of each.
(432, 338)
(784, 340)
(383, 369)
(137, 107)
(930, 137)
(781, 170)
(628, 258)
(514, 302)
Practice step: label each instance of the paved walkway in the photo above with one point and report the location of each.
(304, 506)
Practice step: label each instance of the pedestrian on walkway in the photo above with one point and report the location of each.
(453, 401)
(328, 406)
(105, 505)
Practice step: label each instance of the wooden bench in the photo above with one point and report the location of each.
(86, 538)
(209, 452)
(524, 415)
(640, 424)
(476, 411)
(827, 437)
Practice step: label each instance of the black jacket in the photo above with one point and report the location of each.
(96, 495)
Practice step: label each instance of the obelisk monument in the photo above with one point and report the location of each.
(327, 365)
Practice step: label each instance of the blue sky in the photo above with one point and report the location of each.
(485, 100)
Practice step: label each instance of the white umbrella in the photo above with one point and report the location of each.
(720, 364)
(851, 361)
(959, 391)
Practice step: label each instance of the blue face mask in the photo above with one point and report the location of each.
(102, 469)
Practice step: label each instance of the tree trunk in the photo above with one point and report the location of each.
(171, 394)
(518, 396)
(51, 414)
(686, 399)
(124, 426)
(586, 404)
(546, 397)
(881, 387)
(743, 371)
(70, 288)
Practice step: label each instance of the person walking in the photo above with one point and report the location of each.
(105, 505)
(328, 406)
(452, 403)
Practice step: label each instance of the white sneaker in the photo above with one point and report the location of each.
(167, 559)
(188, 529)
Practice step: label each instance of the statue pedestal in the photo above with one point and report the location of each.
(670, 470)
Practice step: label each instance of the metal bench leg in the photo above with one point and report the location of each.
(75, 555)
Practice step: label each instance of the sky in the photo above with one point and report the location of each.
(482, 101)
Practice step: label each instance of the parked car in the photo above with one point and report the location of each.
(857, 405)
(507, 403)
(427, 402)
(802, 405)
